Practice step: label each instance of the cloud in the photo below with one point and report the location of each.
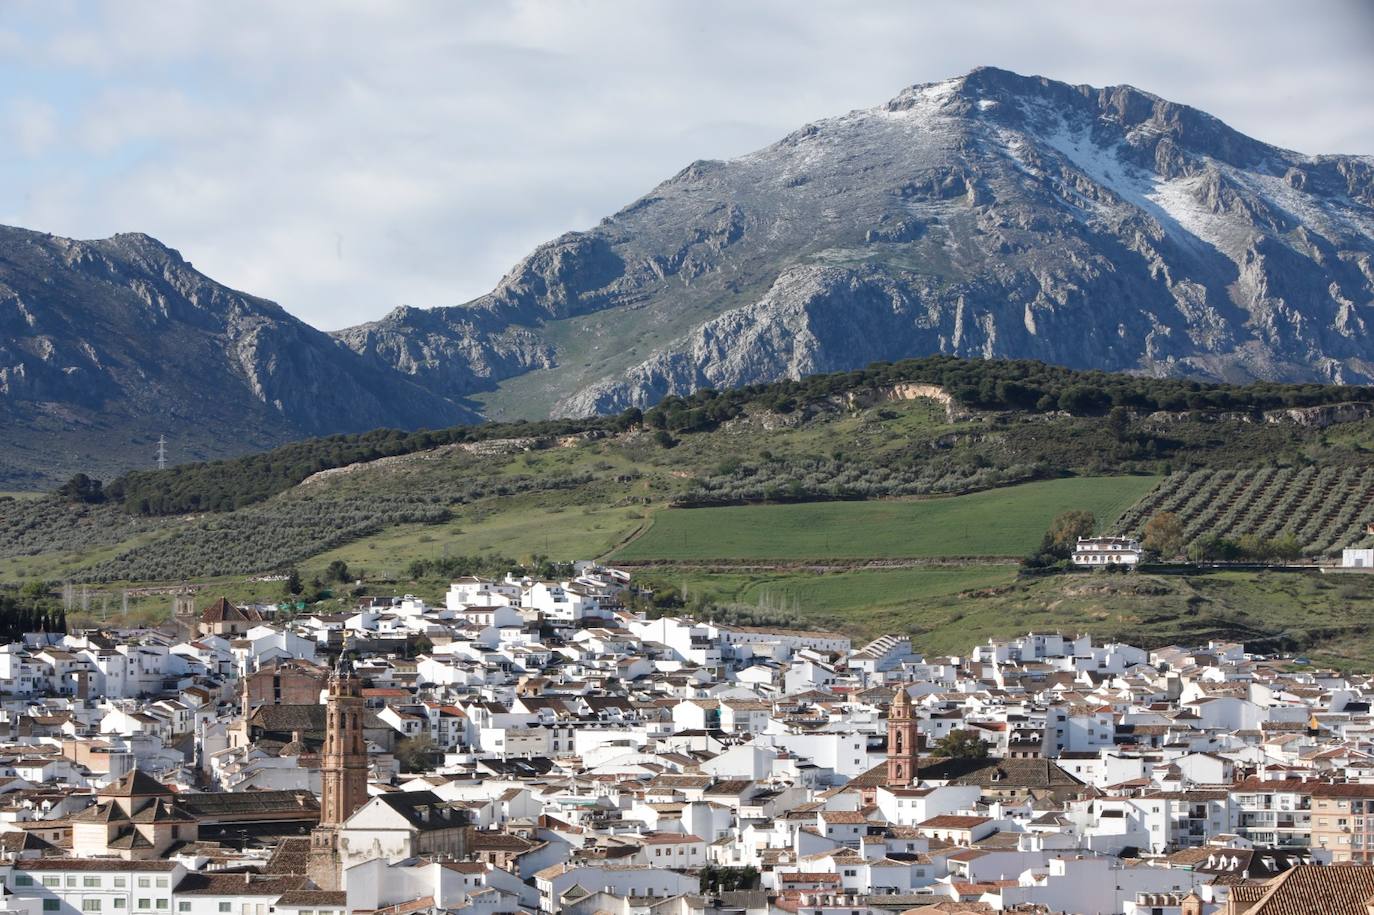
(343, 158)
(31, 126)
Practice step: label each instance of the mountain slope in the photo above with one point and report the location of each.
(105, 345)
(993, 215)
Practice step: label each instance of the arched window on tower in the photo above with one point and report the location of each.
(899, 741)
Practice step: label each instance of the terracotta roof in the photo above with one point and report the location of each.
(198, 884)
(314, 898)
(93, 864)
(135, 783)
(222, 611)
(952, 821)
(1342, 789)
(1315, 889)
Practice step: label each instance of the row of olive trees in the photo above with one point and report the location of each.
(847, 477)
(1163, 536)
(283, 532)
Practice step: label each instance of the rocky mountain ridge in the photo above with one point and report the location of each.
(991, 215)
(106, 345)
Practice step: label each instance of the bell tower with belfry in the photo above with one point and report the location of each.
(903, 750)
(343, 773)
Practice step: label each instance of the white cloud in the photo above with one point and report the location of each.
(346, 157)
(31, 125)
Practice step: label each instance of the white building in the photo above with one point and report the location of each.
(1099, 552)
(1357, 559)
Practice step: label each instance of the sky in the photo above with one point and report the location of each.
(349, 156)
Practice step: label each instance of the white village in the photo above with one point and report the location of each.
(538, 747)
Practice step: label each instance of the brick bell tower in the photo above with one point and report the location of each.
(903, 750)
(343, 773)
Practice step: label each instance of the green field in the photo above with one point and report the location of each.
(518, 527)
(999, 522)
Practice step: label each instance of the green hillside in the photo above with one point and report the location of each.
(841, 501)
(1007, 522)
(1323, 509)
(947, 610)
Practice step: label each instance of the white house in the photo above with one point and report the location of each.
(1099, 552)
(1357, 559)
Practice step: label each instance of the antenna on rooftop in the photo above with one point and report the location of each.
(162, 452)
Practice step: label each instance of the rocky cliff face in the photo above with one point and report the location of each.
(105, 345)
(991, 215)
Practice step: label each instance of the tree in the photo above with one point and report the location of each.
(1253, 546)
(1285, 547)
(337, 571)
(1119, 422)
(414, 753)
(961, 744)
(1163, 534)
(293, 586)
(81, 488)
(1081, 399)
(35, 590)
(720, 879)
(1214, 549)
(1061, 538)
(629, 419)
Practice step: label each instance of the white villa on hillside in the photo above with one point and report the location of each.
(1105, 551)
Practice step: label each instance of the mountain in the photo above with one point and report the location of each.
(993, 215)
(105, 345)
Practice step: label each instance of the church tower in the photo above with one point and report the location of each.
(903, 752)
(343, 773)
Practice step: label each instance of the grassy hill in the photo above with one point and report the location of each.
(841, 501)
(1006, 522)
(947, 610)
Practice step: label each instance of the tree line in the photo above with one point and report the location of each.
(1017, 385)
(19, 616)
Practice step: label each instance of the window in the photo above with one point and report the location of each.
(162, 882)
(145, 903)
(52, 905)
(144, 883)
(121, 882)
(225, 906)
(184, 905)
(23, 880)
(90, 882)
(119, 902)
(90, 905)
(47, 881)
(162, 903)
